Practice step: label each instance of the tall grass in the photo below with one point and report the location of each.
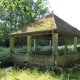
(25, 75)
(4, 56)
(28, 75)
(34, 74)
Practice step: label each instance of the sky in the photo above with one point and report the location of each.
(67, 10)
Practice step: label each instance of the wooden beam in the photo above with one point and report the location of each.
(69, 34)
(49, 36)
(11, 44)
(45, 32)
(65, 37)
(41, 37)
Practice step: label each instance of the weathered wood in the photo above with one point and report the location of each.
(75, 44)
(11, 44)
(66, 34)
(56, 55)
(55, 47)
(51, 44)
(44, 32)
(29, 49)
(52, 47)
(35, 44)
(47, 34)
(44, 37)
(65, 37)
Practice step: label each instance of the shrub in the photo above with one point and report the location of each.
(4, 56)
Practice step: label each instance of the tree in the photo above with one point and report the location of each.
(15, 14)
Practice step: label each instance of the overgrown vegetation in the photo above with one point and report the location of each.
(4, 56)
(33, 74)
(27, 74)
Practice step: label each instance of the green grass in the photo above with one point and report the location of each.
(34, 74)
(28, 75)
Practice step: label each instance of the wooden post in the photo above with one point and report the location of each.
(65, 47)
(55, 55)
(75, 44)
(11, 44)
(29, 44)
(34, 44)
(50, 45)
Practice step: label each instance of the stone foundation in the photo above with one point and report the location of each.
(63, 61)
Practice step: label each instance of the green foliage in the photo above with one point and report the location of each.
(21, 49)
(4, 56)
(1, 49)
(70, 49)
(15, 14)
(3, 34)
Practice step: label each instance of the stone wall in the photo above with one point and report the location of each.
(68, 60)
(64, 60)
(19, 58)
(41, 59)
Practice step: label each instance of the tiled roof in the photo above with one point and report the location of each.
(64, 26)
